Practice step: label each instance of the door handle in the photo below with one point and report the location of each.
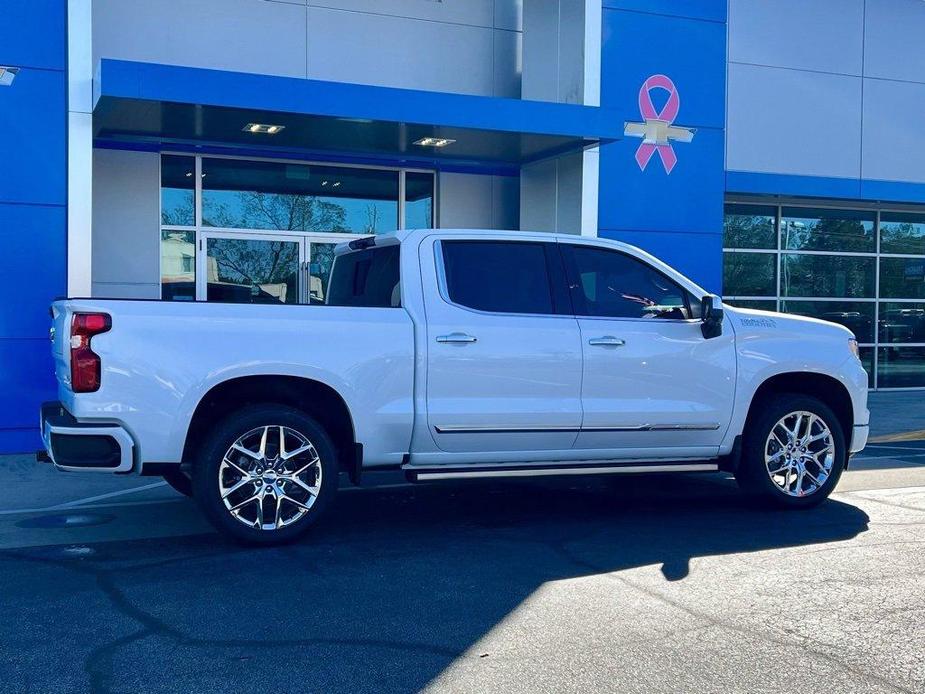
(456, 339)
(606, 341)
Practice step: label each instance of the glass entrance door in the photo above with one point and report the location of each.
(264, 268)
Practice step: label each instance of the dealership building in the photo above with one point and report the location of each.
(217, 150)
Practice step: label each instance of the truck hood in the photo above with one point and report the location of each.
(753, 323)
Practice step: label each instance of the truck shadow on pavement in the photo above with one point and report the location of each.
(384, 596)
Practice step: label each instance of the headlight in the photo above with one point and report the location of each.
(853, 346)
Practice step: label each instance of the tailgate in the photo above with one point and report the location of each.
(60, 335)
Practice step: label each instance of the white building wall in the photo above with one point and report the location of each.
(830, 88)
(126, 224)
(462, 46)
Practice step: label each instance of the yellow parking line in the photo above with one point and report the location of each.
(917, 435)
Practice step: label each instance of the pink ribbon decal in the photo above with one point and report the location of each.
(657, 130)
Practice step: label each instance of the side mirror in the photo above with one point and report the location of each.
(711, 314)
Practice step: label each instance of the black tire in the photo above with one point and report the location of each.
(209, 466)
(180, 480)
(753, 474)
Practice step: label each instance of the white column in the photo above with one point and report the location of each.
(79, 147)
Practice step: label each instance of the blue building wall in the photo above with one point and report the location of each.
(33, 219)
(677, 216)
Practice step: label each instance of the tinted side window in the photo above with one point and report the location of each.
(609, 283)
(498, 276)
(369, 277)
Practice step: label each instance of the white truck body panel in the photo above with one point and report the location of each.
(530, 388)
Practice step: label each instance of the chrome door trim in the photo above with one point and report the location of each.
(462, 429)
(554, 471)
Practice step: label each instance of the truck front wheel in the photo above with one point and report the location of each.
(265, 474)
(793, 451)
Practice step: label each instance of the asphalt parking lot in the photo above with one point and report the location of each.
(633, 584)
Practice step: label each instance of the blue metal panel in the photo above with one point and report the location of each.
(33, 240)
(691, 53)
(712, 10)
(673, 209)
(20, 440)
(33, 120)
(32, 33)
(698, 256)
(824, 187)
(787, 184)
(165, 83)
(689, 199)
(27, 380)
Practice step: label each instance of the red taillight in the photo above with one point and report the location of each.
(85, 364)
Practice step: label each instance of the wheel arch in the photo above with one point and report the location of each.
(316, 399)
(826, 388)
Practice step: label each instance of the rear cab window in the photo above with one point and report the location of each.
(498, 276)
(368, 277)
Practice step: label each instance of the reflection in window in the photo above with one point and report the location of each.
(611, 284)
(252, 271)
(758, 304)
(902, 322)
(827, 275)
(749, 226)
(901, 232)
(298, 197)
(857, 316)
(322, 257)
(178, 186)
(419, 200)
(749, 274)
(178, 265)
(901, 367)
(902, 278)
(809, 229)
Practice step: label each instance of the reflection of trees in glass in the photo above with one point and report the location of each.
(178, 207)
(827, 275)
(267, 267)
(748, 231)
(749, 274)
(827, 234)
(902, 278)
(285, 212)
(902, 237)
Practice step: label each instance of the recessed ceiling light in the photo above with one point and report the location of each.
(263, 128)
(7, 75)
(434, 142)
(336, 183)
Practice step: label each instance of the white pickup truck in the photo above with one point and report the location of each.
(451, 355)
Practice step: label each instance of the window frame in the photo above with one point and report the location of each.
(555, 275)
(579, 301)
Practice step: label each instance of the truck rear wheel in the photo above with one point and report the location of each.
(793, 451)
(265, 474)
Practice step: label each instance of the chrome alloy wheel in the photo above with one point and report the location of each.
(270, 477)
(799, 453)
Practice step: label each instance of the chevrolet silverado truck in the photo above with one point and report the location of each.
(449, 355)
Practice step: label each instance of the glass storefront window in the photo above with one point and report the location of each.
(902, 322)
(817, 229)
(902, 278)
(857, 316)
(749, 274)
(178, 191)
(834, 276)
(867, 360)
(901, 367)
(901, 232)
(419, 200)
(759, 304)
(280, 196)
(178, 265)
(749, 226)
